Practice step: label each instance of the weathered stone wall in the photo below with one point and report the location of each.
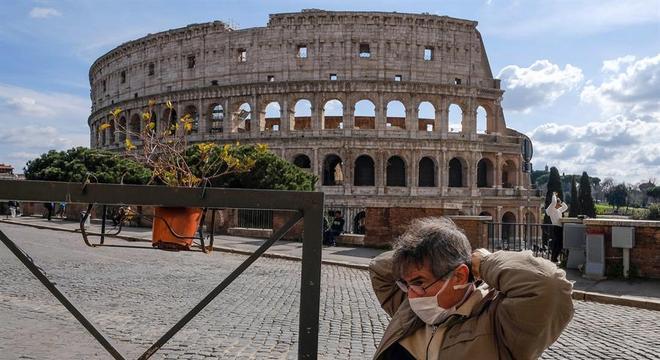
(199, 68)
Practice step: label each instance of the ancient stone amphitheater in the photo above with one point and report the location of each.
(390, 110)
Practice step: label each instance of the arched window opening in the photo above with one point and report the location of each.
(190, 114)
(244, 118)
(396, 115)
(455, 118)
(217, 119)
(273, 117)
(134, 127)
(485, 173)
(169, 121)
(482, 120)
(302, 117)
(365, 115)
(364, 171)
(426, 172)
(333, 115)
(332, 171)
(456, 178)
(425, 116)
(396, 172)
(302, 161)
(122, 130)
(509, 174)
(508, 230)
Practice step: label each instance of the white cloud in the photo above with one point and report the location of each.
(624, 148)
(43, 13)
(538, 85)
(632, 86)
(30, 103)
(34, 122)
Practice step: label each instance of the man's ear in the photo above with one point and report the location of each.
(462, 274)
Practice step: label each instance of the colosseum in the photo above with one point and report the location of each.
(389, 110)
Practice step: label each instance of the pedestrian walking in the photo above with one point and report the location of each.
(555, 211)
(448, 302)
(49, 206)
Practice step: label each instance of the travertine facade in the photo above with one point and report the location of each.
(333, 61)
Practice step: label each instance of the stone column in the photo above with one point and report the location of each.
(257, 116)
(412, 117)
(443, 171)
(316, 114)
(285, 117)
(201, 116)
(498, 171)
(413, 163)
(227, 118)
(381, 113)
(442, 118)
(349, 117)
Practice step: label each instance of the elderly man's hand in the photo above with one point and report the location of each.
(476, 261)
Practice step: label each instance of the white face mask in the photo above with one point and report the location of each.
(427, 308)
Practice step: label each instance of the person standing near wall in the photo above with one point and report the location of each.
(555, 211)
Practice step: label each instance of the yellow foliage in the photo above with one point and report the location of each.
(169, 104)
(129, 144)
(104, 126)
(152, 103)
(146, 116)
(152, 125)
(116, 112)
(188, 126)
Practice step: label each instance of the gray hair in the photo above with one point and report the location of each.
(436, 240)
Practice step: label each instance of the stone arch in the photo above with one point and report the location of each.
(395, 115)
(243, 117)
(508, 227)
(457, 172)
(455, 117)
(333, 115)
(485, 173)
(111, 132)
(365, 114)
(364, 172)
(134, 126)
(426, 174)
(272, 118)
(302, 115)
(302, 161)
(169, 121)
(482, 120)
(216, 118)
(122, 129)
(333, 174)
(194, 116)
(425, 116)
(530, 218)
(509, 174)
(395, 171)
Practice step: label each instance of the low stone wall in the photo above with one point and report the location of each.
(644, 256)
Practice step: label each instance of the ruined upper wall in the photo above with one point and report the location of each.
(209, 54)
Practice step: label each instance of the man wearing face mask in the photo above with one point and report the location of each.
(447, 302)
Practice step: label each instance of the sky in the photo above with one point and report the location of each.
(581, 78)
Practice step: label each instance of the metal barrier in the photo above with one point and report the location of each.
(255, 219)
(304, 205)
(520, 236)
(354, 217)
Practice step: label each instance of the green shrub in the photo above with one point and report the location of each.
(78, 164)
(269, 171)
(653, 212)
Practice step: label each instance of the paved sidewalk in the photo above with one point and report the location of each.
(638, 293)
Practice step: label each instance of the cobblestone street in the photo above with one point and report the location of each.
(135, 295)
